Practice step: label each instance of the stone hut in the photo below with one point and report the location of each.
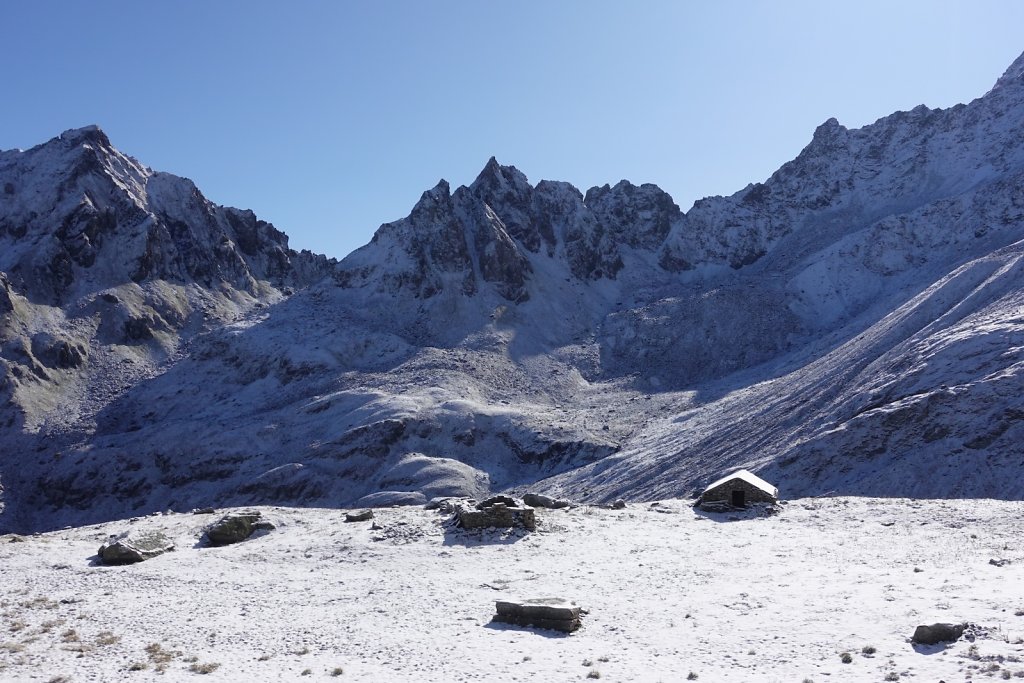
(738, 490)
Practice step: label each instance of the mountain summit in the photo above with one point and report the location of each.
(849, 324)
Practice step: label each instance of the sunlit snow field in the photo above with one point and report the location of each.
(670, 594)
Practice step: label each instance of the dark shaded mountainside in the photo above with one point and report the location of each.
(850, 325)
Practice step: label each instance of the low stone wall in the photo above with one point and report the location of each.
(496, 513)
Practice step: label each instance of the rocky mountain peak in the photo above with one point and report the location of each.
(1013, 76)
(504, 184)
(91, 134)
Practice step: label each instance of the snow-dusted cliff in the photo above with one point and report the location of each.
(849, 324)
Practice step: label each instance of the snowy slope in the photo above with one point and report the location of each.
(851, 325)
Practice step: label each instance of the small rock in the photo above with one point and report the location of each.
(204, 511)
(999, 563)
(619, 505)
(937, 633)
(131, 547)
(363, 516)
(15, 538)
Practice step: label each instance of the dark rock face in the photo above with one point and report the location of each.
(6, 303)
(931, 634)
(131, 547)
(79, 201)
(59, 353)
(490, 232)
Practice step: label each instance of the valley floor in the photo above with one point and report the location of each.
(671, 594)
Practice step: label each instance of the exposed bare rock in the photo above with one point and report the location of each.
(130, 547)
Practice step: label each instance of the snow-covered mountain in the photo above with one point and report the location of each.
(850, 324)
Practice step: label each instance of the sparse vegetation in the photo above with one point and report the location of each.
(18, 626)
(41, 602)
(306, 672)
(48, 626)
(593, 673)
(691, 676)
(304, 650)
(12, 647)
(868, 650)
(70, 636)
(207, 668)
(892, 676)
(845, 657)
(337, 671)
(138, 666)
(159, 656)
(107, 638)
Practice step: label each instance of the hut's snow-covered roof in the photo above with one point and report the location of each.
(748, 477)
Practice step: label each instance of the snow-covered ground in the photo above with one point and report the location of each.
(671, 594)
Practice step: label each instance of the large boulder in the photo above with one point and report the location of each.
(236, 527)
(130, 547)
(930, 634)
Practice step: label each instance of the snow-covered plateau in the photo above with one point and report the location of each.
(853, 325)
(669, 594)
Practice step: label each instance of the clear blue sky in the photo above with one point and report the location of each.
(328, 117)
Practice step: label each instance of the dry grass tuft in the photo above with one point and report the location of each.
(107, 638)
(158, 655)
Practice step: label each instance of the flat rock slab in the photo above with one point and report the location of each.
(539, 500)
(552, 613)
(931, 634)
(363, 516)
(131, 547)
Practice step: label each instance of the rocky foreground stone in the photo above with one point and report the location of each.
(131, 547)
(552, 613)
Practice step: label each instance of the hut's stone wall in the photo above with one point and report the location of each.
(723, 493)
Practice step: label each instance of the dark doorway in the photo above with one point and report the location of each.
(739, 499)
